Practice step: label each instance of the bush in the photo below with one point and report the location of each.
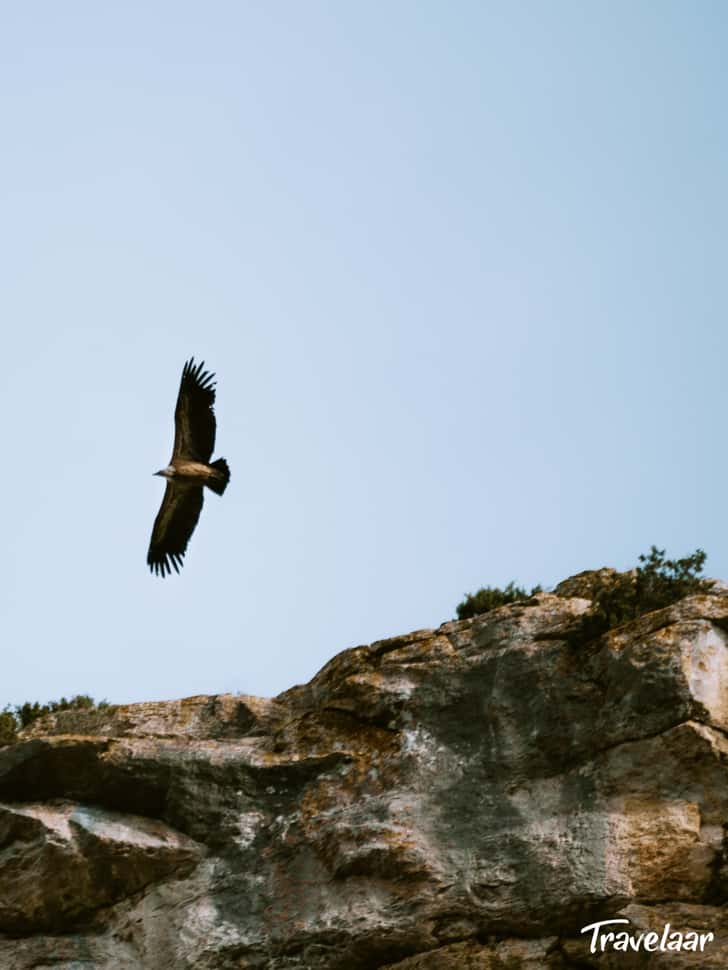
(14, 719)
(8, 727)
(490, 597)
(617, 598)
(657, 582)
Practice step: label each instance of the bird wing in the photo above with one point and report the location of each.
(175, 523)
(194, 417)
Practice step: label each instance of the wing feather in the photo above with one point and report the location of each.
(194, 416)
(175, 523)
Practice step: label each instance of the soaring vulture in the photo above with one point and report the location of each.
(189, 470)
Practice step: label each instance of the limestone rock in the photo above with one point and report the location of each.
(505, 955)
(467, 797)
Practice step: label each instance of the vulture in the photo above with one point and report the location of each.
(189, 470)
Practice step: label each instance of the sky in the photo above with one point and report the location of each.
(459, 268)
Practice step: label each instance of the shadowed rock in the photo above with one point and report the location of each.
(60, 862)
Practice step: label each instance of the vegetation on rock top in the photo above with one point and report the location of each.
(491, 597)
(617, 597)
(656, 583)
(14, 719)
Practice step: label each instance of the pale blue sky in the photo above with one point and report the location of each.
(460, 269)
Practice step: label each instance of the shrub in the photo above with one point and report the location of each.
(14, 719)
(490, 597)
(657, 582)
(8, 726)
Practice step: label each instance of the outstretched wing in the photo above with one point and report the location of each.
(175, 523)
(194, 417)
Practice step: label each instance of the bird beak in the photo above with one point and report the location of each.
(159, 473)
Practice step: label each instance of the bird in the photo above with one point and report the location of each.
(189, 470)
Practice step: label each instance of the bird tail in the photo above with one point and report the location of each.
(220, 476)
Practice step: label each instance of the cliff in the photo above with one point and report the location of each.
(468, 797)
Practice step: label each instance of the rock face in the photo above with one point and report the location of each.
(468, 798)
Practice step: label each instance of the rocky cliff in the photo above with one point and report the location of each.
(467, 797)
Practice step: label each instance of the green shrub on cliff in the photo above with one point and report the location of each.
(8, 727)
(657, 582)
(620, 597)
(490, 597)
(14, 719)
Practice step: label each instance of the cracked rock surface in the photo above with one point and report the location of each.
(467, 798)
